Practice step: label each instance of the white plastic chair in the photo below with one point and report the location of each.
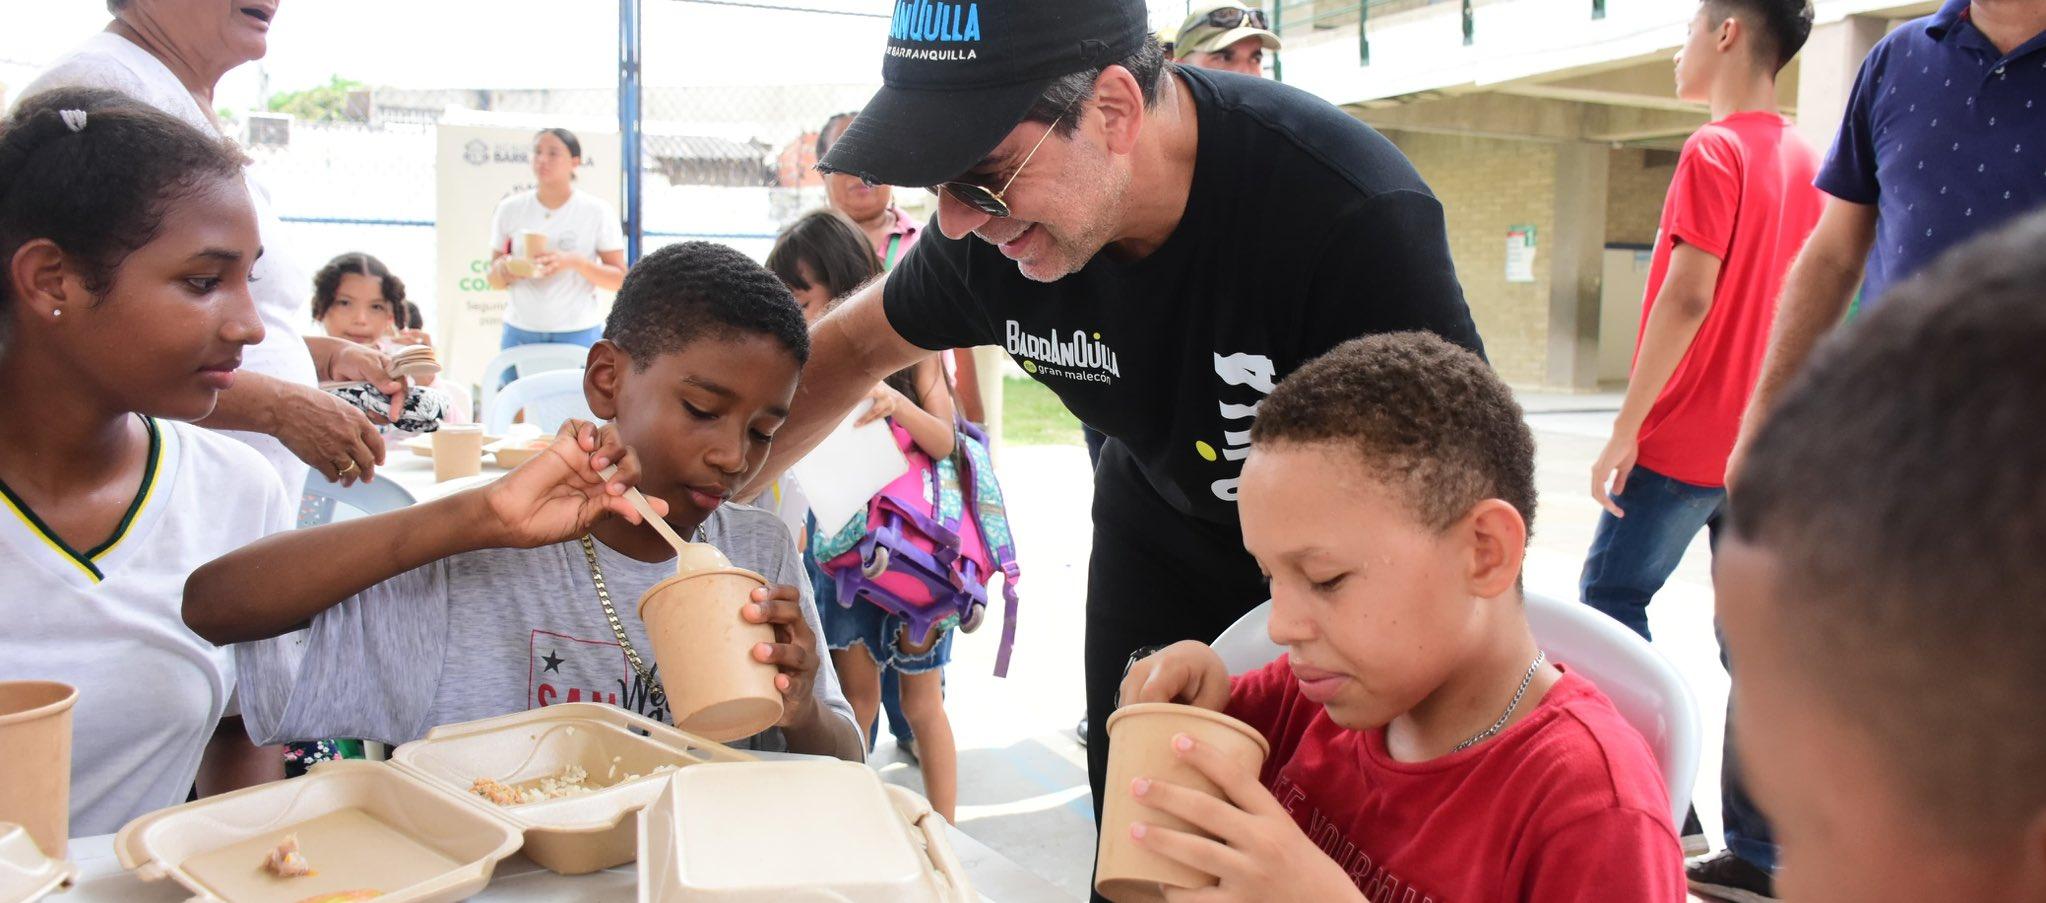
(1644, 686)
(326, 502)
(547, 398)
(529, 360)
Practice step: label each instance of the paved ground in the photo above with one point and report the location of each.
(1023, 787)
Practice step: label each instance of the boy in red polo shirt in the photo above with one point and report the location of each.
(1423, 748)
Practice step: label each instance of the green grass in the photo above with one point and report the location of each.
(1032, 415)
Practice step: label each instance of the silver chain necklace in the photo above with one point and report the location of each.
(656, 697)
(1481, 736)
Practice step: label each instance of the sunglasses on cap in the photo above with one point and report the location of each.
(989, 200)
(1235, 16)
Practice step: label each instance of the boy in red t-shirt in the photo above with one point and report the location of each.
(1423, 748)
(1739, 208)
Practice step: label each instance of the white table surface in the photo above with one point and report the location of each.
(517, 880)
(415, 473)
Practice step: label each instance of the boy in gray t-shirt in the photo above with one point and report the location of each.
(485, 602)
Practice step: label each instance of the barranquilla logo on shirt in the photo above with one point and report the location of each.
(1077, 355)
(1246, 380)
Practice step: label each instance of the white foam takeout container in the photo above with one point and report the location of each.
(573, 835)
(420, 799)
(417, 844)
(26, 874)
(850, 838)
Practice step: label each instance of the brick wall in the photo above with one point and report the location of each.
(1637, 180)
(1487, 185)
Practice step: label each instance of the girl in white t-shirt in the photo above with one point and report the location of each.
(357, 298)
(128, 238)
(554, 294)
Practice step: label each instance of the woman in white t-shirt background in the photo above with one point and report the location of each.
(128, 240)
(558, 303)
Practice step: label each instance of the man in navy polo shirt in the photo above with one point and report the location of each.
(1944, 138)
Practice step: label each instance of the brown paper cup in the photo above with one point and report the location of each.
(1140, 745)
(457, 451)
(705, 646)
(35, 744)
(532, 244)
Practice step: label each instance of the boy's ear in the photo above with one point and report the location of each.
(602, 372)
(1498, 547)
(1730, 30)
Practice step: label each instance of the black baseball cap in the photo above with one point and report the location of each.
(958, 76)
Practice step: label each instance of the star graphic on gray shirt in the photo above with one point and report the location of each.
(553, 663)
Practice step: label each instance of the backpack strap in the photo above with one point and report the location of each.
(1004, 554)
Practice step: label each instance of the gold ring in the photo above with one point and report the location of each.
(344, 468)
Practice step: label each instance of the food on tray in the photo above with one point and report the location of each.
(495, 792)
(346, 896)
(285, 861)
(571, 780)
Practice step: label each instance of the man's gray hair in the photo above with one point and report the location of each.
(1147, 64)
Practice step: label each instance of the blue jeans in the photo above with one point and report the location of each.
(514, 337)
(1631, 558)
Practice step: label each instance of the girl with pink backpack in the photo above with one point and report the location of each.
(823, 257)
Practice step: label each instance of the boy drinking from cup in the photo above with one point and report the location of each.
(519, 594)
(1422, 745)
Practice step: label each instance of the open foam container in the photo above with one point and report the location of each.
(855, 839)
(410, 828)
(27, 874)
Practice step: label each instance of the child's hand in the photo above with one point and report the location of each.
(1613, 466)
(414, 337)
(886, 400)
(559, 494)
(1186, 671)
(794, 651)
(1260, 854)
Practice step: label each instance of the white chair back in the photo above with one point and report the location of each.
(528, 360)
(547, 399)
(1644, 686)
(326, 502)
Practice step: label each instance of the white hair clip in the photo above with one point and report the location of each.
(73, 119)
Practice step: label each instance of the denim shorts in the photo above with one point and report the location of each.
(866, 624)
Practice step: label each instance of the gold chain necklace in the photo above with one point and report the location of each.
(656, 697)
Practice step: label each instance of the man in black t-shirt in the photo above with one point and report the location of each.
(1157, 245)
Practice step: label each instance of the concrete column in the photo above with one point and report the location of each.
(1826, 69)
(1576, 245)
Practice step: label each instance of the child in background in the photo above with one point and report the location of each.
(1416, 728)
(520, 593)
(128, 238)
(356, 297)
(1884, 595)
(823, 257)
(1738, 210)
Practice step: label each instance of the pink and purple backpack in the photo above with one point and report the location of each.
(928, 544)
